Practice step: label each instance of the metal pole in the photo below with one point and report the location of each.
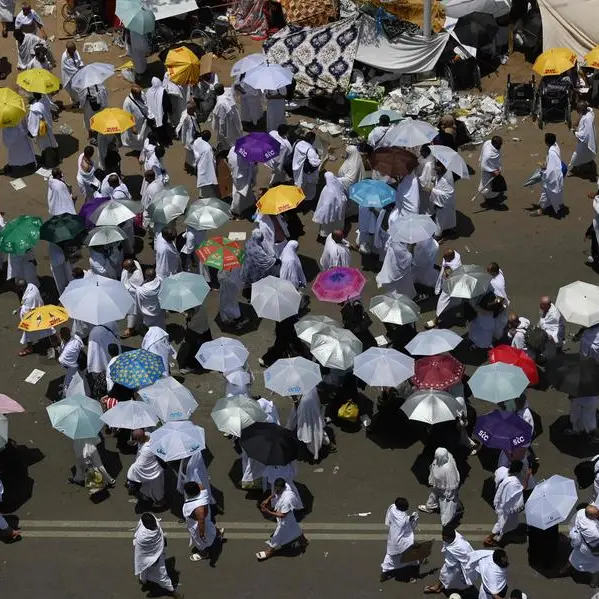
(426, 18)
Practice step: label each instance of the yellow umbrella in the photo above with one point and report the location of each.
(43, 318)
(280, 199)
(112, 121)
(183, 66)
(554, 61)
(12, 108)
(38, 81)
(592, 58)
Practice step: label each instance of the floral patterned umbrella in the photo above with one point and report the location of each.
(338, 284)
(20, 235)
(221, 253)
(136, 369)
(437, 372)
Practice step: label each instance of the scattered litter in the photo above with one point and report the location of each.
(467, 248)
(318, 470)
(210, 392)
(326, 554)
(49, 10)
(237, 236)
(516, 139)
(64, 129)
(35, 376)
(52, 38)
(359, 514)
(307, 125)
(335, 469)
(92, 47)
(43, 172)
(18, 184)
(381, 341)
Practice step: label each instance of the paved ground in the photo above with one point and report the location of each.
(75, 547)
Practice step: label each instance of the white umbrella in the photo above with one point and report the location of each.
(410, 133)
(92, 74)
(238, 377)
(412, 228)
(169, 399)
(269, 77)
(223, 354)
(498, 382)
(232, 414)
(430, 406)
(182, 291)
(207, 213)
(104, 235)
(467, 281)
(247, 63)
(451, 160)
(111, 213)
(335, 348)
(177, 440)
(383, 367)
(551, 502)
(168, 204)
(275, 299)
(292, 376)
(394, 308)
(578, 303)
(433, 342)
(373, 118)
(97, 300)
(4, 430)
(130, 414)
(310, 324)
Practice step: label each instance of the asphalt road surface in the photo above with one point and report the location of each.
(75, 548)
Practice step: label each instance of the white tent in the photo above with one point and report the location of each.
(462, 8)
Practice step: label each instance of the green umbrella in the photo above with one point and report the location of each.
(20, 234)
(62, 227)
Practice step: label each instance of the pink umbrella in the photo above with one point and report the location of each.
(338, 284)
(9, 406)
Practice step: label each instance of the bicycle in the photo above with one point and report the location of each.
(216, 36)
(82, 20)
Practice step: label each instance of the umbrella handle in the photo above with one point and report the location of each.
(485, 188)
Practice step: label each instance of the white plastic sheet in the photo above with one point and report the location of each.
(462, 8)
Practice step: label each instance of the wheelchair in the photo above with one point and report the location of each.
(462, 74)
(520, 98)
(554, 103)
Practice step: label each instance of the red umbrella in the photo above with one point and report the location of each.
(437, 372)
(517, 357)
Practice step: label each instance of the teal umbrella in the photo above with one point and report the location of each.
(77, 416)
(20, 235)
(62, 227)
(135, 17)
(182, 291)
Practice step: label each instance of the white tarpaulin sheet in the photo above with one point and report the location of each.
(462, 8)
(407, 53)
(570, 24)
(167, 8)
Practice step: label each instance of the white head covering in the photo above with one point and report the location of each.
(154, 101)
(352, 170)
(397, 263)
(443, 471)
(291, 267)
(332, 201)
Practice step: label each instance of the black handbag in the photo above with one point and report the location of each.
(498, 184)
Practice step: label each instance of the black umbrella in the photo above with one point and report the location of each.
(477, 29)
(270, 444)
(62, 227)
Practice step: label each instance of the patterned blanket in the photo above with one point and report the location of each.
(321, 58)
(309, 13)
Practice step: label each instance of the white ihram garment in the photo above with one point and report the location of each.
(423, 262)
(278, 164)
(396, 272)
(407, 195)
(426, 180)
(60, 200)
(139, 109)
(243, 177)
(445, 301)
(32, 299)
(330, 209)
(69, 65)
(554, 325)
(287, 530)
(225, 120)
(190, 505)
(147, 471)
(302, 152)
(334, 254)
(38, 112)
(193, 469)
(584, 534)
(455, 573)
(168, 260)
(228, 294)
(443, 200)
(444, 480)
(252, 103)
(187, 130)
(88, 184)
(586, 145)
(306, 419)
(400, 537)
(154, 97)
(148, 556)
(100, 337)
(149, 304)
(156, 341)
(137, 48)
(203, 157)
(493, 578)
(583, 413)
(490, 161)
(552, 182)
(508, 503)
(19, 146)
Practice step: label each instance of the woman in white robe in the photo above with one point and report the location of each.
(400, 537)
(396, 272)
(275, 231)
(157, 342)
(135, 104)
(22, 267)
(228, 295)
(335, 252)
(30, 300)
(137, 48)
(225, 119)
(252, 103)
(444, 480)
(352, 170)
(306, 419)
(277, 164)
(275, 108)
(243, 175)
(490, 166)
(291, 266)
(154, 97)
(407, 195)
(367, 219)
(60, 267)
(281, 505)
(444, 202)
(19, 146)
(330, 210)
(7, 14)
(306, 165)
(586, 145)
(132, 277)
(423, 262)
(60, 198)
(86, 178)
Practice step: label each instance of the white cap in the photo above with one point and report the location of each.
(455, 596)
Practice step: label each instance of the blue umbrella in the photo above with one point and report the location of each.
(136, 369)
(370, 193)
(77, 416)
(182, 291)
(135, 17)
(503, 430)
(257, 147)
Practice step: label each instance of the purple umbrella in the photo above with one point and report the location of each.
(503, 430)
(88, 208)
(257, 147)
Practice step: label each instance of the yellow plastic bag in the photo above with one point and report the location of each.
(42, 130)
(349, 411)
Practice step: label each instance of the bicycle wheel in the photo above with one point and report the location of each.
(202, 39)
(70, 26)
(66, 11)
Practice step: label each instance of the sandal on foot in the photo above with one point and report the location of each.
(261, 556)
(26, 352)
(430, 590)
(196, 557)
